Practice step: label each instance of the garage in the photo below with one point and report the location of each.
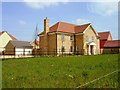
(15, 47)
(112, 46)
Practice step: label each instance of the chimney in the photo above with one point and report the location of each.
(46, 25)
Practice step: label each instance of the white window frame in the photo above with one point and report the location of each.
(93, 38)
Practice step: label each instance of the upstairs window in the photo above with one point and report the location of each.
(87, 38)
(71, 38)
(92, 38)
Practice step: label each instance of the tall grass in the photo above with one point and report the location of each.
(59, 72)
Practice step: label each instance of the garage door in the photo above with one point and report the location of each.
(19, 51)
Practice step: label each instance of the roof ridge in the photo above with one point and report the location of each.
(104, 32)
(19, 40)
(113, 40)
(67, 23)
(58, 26)
(84, 24)
(54, 24)
(12, 36)
(62, 25)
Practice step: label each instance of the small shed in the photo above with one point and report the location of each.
(112, 46)
(15, 47)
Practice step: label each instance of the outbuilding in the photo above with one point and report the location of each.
(104, 37)
(15, 47)
(112, 46)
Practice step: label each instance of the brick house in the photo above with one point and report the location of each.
(66, 38)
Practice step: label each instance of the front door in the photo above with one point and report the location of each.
(91, 49)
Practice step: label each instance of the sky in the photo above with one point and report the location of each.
(21, 18)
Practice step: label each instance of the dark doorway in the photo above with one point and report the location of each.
(91, 49)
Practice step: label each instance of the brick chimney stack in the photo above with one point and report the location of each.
(46, 30)
(46, 25)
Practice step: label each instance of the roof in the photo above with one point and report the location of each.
(63, 27)
(67, 27)
(112, 43)
(103, 35)
(12, 37)
(1, 33)
(41, 33)
(81, 28)
(23, 44)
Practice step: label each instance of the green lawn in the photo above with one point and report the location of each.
(60, 72)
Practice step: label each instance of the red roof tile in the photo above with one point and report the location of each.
(103, 35)
(12, 37)
(54, 27)
(62, 27)
(81, 28)
(67, 27)
(112, 43)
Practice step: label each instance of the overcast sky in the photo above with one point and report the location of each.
(20, 18)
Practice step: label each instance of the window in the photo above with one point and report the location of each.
(71, 48)
(62, 37)
(63, 49)
(92, 38)
(71, 37)
(87, 39)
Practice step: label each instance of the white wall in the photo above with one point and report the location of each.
(4, 39)
(22, 51)
(28, 51)
(19, 51)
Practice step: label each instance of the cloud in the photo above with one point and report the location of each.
(103, 8)
(38, 4)
(22, 22)
(81, 21)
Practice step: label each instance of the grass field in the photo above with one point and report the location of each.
(60, 72)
